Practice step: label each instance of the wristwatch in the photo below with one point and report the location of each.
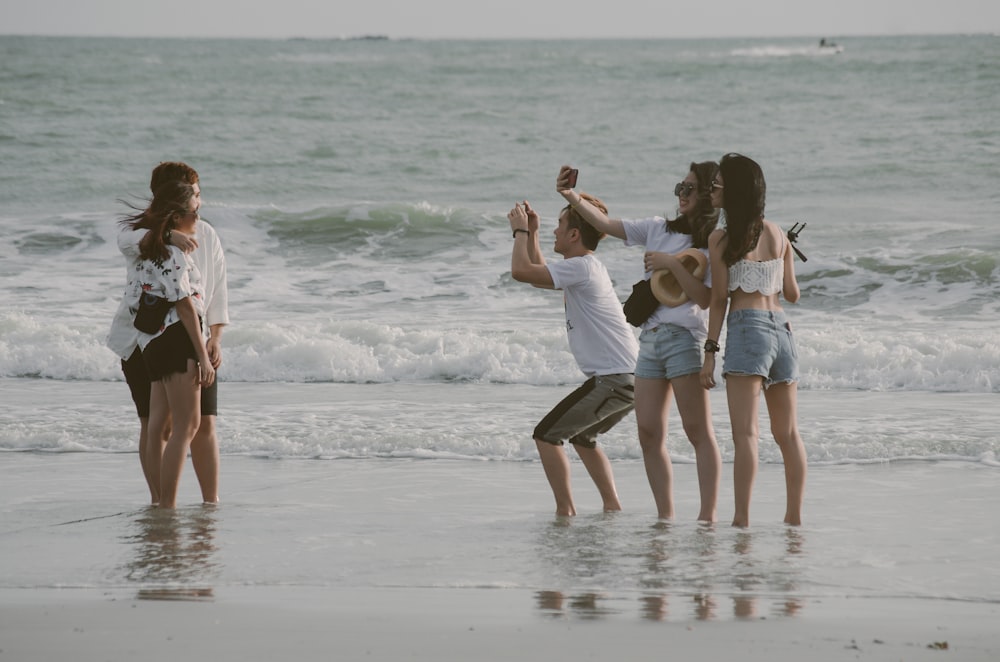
(711, 346)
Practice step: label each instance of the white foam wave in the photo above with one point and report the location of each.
(844, 357)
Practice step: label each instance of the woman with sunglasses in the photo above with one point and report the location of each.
(752, 263)
(670, 342)
(175, 354)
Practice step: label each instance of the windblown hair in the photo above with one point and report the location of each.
(172, 171)
(589, 236)
(744, 205)
(702, 221)
(170, 202)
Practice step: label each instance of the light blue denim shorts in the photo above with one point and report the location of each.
(760, 342)
(667, 351)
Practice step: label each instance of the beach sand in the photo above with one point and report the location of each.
(475, 624)
(455, 560)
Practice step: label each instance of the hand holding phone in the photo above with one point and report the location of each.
(571, 177)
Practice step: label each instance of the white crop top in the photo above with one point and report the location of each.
(764, 277)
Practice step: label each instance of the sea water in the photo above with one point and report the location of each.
(360, 190)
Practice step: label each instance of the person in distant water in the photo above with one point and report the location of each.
(600, 339)
(672, 333)
(206, 250)
(752, 263)
(175, 355)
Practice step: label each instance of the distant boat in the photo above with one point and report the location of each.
(827, 46)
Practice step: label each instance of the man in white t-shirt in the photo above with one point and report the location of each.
(602, 342)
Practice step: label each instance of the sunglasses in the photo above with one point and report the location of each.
(684, 189)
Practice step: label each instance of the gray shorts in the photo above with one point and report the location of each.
(590, 410)
(760, 342)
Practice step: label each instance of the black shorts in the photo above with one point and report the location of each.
(168, 353)
(137, 378)
(138, 382)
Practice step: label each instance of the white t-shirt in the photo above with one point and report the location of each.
(211, 262)
(653, 234)
(601, 340)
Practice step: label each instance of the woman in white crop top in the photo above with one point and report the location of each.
(752, 263)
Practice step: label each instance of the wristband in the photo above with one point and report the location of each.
(521, 230)
(711, 346)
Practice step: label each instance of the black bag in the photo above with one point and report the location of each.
(640, 304)
(152, 311)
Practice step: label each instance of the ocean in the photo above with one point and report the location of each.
(360, 189)
(382, 372)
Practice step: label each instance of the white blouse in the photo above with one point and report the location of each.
(764, 277)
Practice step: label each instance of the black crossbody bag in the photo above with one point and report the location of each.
(152, 311)
(640, 304)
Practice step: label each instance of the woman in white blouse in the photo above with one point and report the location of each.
(175, 353)
(752, 263)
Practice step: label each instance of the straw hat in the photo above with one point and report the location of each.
(665, 287)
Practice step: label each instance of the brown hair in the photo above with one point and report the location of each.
(170, 201)
(704, 218)
(743, 202)
(172, 171)
(589, 235)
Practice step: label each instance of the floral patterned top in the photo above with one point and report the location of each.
(173, 279)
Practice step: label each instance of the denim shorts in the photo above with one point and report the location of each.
(760, 342)
(590, 410)
(667, 351)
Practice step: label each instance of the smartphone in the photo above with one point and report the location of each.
(573, 174)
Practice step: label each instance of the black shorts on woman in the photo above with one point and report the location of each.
(165, 355)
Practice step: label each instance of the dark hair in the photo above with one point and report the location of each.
(589, 235)
(700, 223)
(169, 201)
(172, 171)
(744, 194)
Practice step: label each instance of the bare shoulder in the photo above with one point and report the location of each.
(774, 238)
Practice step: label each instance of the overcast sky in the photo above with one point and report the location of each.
(497, 18)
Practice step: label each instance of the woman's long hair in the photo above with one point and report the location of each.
(700, 223)
(743, 197)
(170, 202)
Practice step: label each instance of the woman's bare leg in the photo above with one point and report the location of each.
(782, 408)
(743, 394)
(652, 401)
(184, 397)
(696, 416)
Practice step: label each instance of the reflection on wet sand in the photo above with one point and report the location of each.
(682, 574)
(172, 553)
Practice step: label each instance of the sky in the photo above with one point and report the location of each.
(498, 19)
